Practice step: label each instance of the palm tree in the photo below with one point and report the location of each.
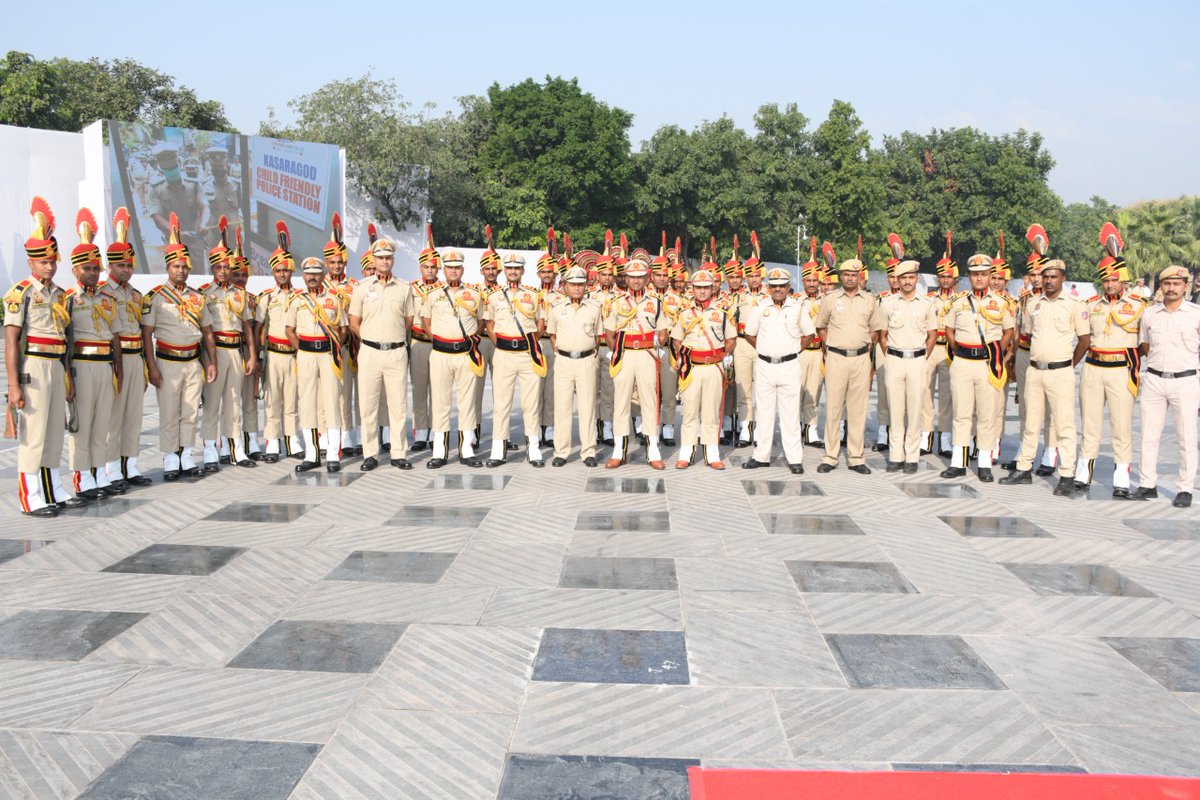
(1152, 241)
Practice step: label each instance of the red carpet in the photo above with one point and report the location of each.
(736, 784)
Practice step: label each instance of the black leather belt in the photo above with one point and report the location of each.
(1185, 374)
(1047, 365)
(1097, 363)
(512, 345)
(322, 346)
(920, 351)
(165, 356)
(777, 359)
(385, 346)
(971, 353)
(862, 351)
(459, 346)
(576, 353)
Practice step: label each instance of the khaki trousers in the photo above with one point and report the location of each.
(383, 390)
(777, 391)
(744, 359)
(250, 405)
(178, 403)
(574, 382)
(281, 396)
(937, 376)
(450, 374)
(1050, 390)
(488, 349)
(1021, 367)
(975, 402)
(418, 370)
(668, 383)
(40, 438)
(511, 370)
(1182, 397)
(605, 385)
(702, 403)
(315, 379)
(639, 370)
(87, 448)
(906, 383)
(349, 392)
(125, 430)
(548, 383)
(1098, 387)
(883, 413)
(812, 378)
(847, 389)
(223, 397)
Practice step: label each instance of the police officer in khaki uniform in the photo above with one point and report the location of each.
(429, 261)
(703, 334)
(451, 315)
(883, 412)
(489, 269)
(177, 326)
(35, 320)
(172, 192)
(1111, 373)
(548, 267)
(342, 286)
(95, 373)
(812, 367)
(576, 326)
(668, 375)
(1018, 359)
(603, 294)
(222, 191)
(979, 330)
(907, 334)
(936, 432)
(125, 430)
(239, 276)
(316, 327)
(280, 392)
(514, 319)
(846, 322)
(381, 314)
(744, 354)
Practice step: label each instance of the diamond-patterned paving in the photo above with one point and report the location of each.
(576, 632)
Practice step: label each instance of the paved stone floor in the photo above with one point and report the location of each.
(577, 633)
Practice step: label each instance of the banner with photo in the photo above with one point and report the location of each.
(253, 180)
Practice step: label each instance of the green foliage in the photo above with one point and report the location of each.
(848, 191)
(1159, 234)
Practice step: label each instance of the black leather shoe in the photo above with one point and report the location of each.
(751, 463)
(893, 466)
(470, 462)
(307, 466)
(194, 472)
(984, 474)
(924, 452)
(139, 480)
(356, 450)
(944, 453)
(954, 472)
(817, 444)
(861, 469)
(1065, 487)
(247, 463)
(387, 446)
(435, 463)
(910, 468)
(210, 466)
(559, 462)
(1043, 471)
(537, 464)
(1017, 477)
(511, 447)
(369, 464)
(607, 442)
(642, 440)
(1120, 493)
(669, 442)
(333, 466)
(44, 511)
(173, 475)
(494, 462)
(548, 443)
(1008, 465)
(1145, 493)
(824, 468)
(742, 443)
(270, 458)
(256, 456)
(73, 502)
(1182, 500)
(590, 461)
(880, 448)
(417, 446)
(726, 438)
(223, 459)
(91, 494)
(1080, 486)
(401, 463)
(120, 484)
(298, 455)
(797, 469)
(113, 490)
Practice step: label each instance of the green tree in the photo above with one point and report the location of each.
(848, 191)
(1076, 240)
(784, 166)
(1154, 237)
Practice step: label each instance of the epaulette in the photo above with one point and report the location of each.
(267, 291)
(70, 292)
(205, 287)
(17, 292)
(1094, 298)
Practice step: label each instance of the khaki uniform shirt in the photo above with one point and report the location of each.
(778, 330)
(1054, 324)
(968, 314)
(443, 306)
(128, 319)
(46, 313)
(1114, 324)
(704, 328)
(1173, 336)
(848, 320)
(224, 198)
(636, 316)
(809, 307)
(93, 314)
(673, 303)
(907, 322)
(300, 315)
(941, 303)
(271, 312)
(744, 301)
(173, 325)
(228, 306)
(524, 300)
(185, 198)
(383, 308)
(575, 326)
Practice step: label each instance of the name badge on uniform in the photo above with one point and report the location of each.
(839, 307)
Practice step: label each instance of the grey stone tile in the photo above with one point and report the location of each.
(872, 661)
(546, 777)
(320, 646)
(1174, 663)
(1005, 769)
(15, 548)
(177, 559)
(755, 488)
(849, 576)
(317, 478)
(187, 768)
(758, 648)
(392, 567)
(1093, 580)
(106, 508)
(439, 515)
(995, 527)
(486, 483)
(939, 491)
(53, 635)
(582, 572)
(260, 512)
(1166, 528)
(623, 521)
(626, 485)
(1132, 750)
(611, 656)
(824, 524)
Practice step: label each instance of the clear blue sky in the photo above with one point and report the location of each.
(1113, 86)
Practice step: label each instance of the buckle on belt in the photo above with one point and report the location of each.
(776, 359)
(1044, 366)
(384, 346)
(576, 353)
